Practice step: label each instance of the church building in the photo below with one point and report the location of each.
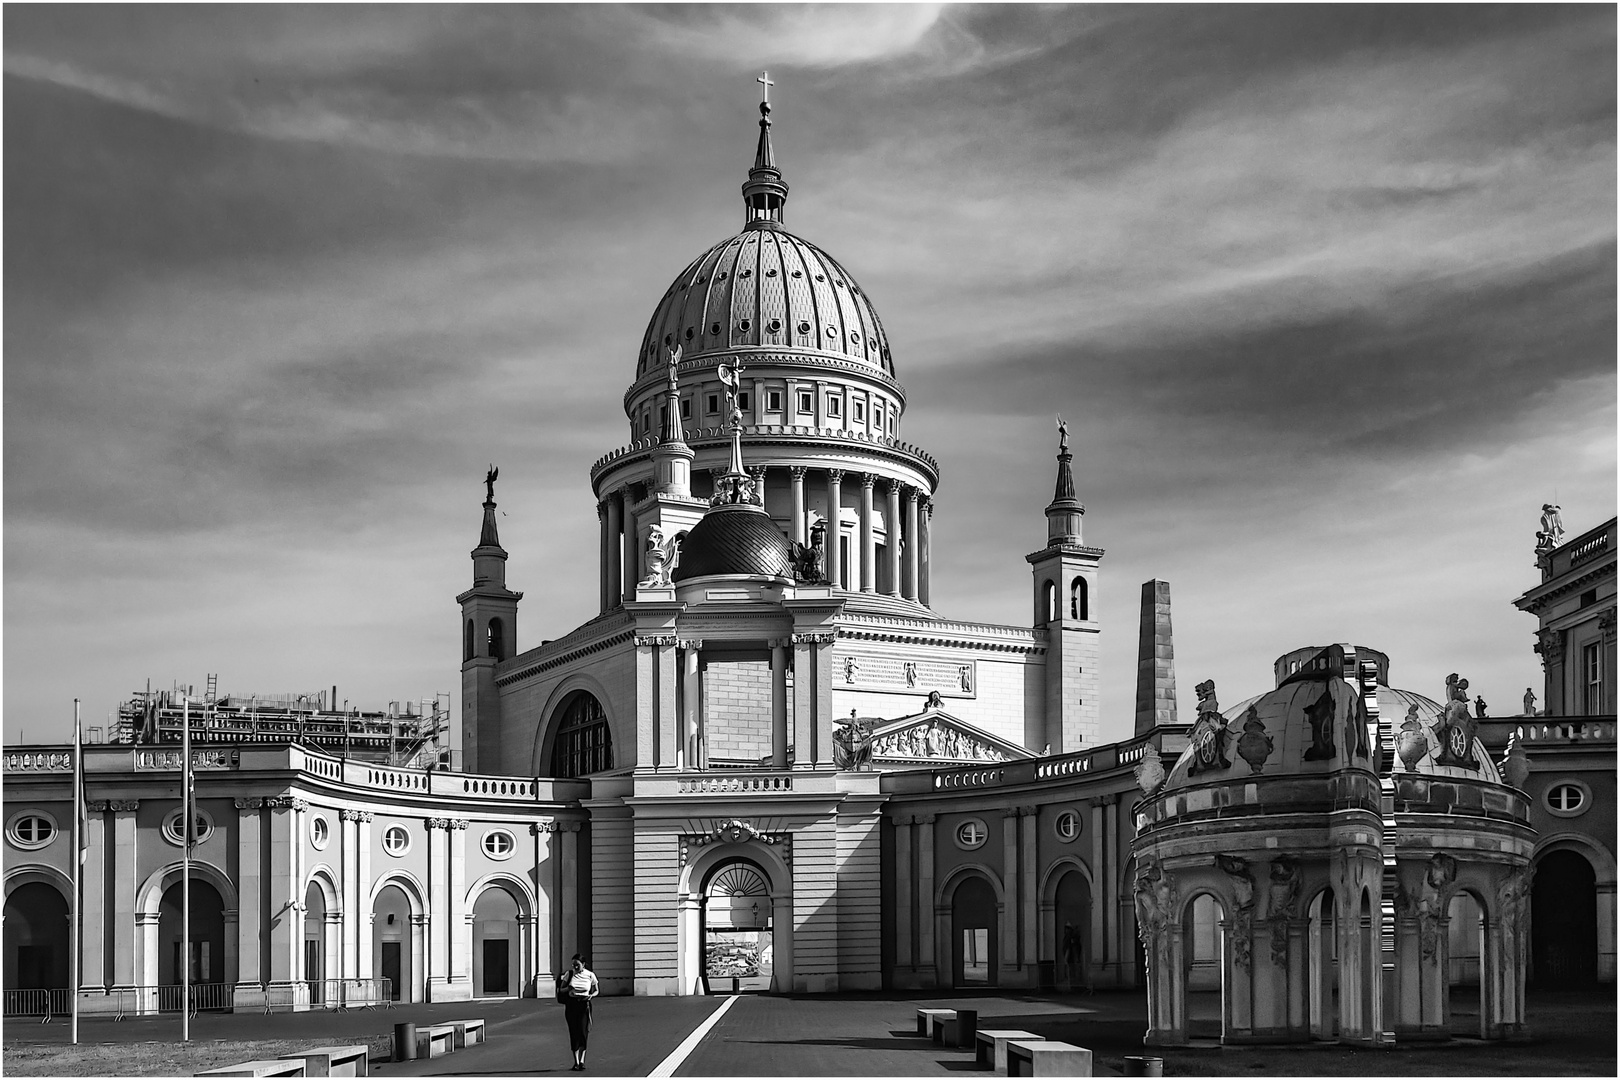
(768, 763)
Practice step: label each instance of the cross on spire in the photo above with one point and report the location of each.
(765, 81)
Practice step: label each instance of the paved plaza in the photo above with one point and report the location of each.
(856, 1035)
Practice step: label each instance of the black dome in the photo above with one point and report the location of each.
(734, 539)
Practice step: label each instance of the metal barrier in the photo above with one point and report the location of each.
(205, 997)
(41, 1003)
(346, 994)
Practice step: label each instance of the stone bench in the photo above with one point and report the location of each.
(957, 1027)
(268, 1067)
(435, 1040)
(468, 1032)
(335, 1060)
(927, 1018)
(991, 1046)
(1041, 1057)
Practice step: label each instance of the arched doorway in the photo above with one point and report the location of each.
(1322, 945)
(395, 934)
(36, 951)
(315, 943)
(1563, 921)
(974, 930)
(496, 956)
(1071, 925)
(738, 952)
(207, 942)
(1465, 953)
(1203, 966)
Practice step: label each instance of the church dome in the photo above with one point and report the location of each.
(734, 540)
(766, 289)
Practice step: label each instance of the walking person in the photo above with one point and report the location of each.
(576, 987)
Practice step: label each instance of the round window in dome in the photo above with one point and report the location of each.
(721, 276)
(821, 277)
(770, 273)
(744, 325)
(715, 329)
(774, 326)
(745, 273)
(832, 332)
(855, 336)
(689, 333)
(837, 284)
(804, 326)
(798, 273)
(669, 339)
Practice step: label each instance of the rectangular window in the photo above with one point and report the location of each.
(891, 423)
(742, 401)
(686, 408)
(773, 401)
(806, 404)
(834, 407)
(1592, 671)
(714, 403)
(663, 417)
(860, 412)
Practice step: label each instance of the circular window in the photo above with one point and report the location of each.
(744, 325)
(745, 273)
(1567, 798)
(821, 277)
(30, 830)
(798, 273)
(774, 326)
(854, 336)
(172, 826)
(319, 831)
(1066, 825)
(804, 327)
(721, 276)
(715, 329)
(499, 844)
(396, 840)
(770, 273)
(971, 834)
(689, 333)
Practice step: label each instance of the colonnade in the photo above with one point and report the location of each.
(907, 510)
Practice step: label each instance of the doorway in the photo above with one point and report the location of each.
(738, 952)
(1563, 921)
(974, 932)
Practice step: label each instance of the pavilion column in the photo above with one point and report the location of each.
(1102, 915)
(779, 711)
(891, 524)
(348, 896)
(926, 963)
(631, 547)
(868, 543)
(796, 474)
(545, 896)
(908, 586)
(458, 915)
(1028, 883)
(613, 587)
(93, 906)
(124, 869)
(835, 497)
(364, 916)
(923, 571)
(1009, 894)
(604, 592)
(568, 939)
(691, 687)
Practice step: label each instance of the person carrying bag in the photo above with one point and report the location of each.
(575, 989)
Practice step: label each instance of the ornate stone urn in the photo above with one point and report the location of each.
(1410, 743)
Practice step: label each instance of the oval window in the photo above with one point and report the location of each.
(319, 832)
(804, 326)
(774, 326)
(1568, 798)
(1067, 826)
(173, 827)
(30, 830)
(499, 844)
(396, 841)
(744, 325)
(971, 834)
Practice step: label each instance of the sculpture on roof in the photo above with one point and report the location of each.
(674, 362)
(852, 744)
(731, 379)
(1529, 702)
(662, 556)
(1209, 735)
(1552, 523)
(808, 559)
(489, 483)
(1063, 436)
(1456, 727)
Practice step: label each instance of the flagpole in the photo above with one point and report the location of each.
(75, 979)
(189, 820)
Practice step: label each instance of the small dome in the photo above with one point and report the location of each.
(734, 539)
(765, 289)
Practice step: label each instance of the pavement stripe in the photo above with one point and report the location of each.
(668, 1066)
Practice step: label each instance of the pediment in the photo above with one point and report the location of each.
(937, 736)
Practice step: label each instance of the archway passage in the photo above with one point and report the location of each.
(393, 934)
(1563, 921)
(36, 951)
(974, 930)
(738, 952)
(315, 943)
(496, 940)
(1203, 973)
(207, 944)
(1071, 922)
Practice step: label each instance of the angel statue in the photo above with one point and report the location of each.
(1063, 436)
(662, 555)
(674, 362)
(489, 483)
(731, 379)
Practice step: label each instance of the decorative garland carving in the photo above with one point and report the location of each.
(1282, 905)
(1243, 918)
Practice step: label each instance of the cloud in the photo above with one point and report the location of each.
(749, 36)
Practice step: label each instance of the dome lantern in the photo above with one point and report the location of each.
(765, 192)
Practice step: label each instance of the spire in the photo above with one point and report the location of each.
(487, 536)
(672, 458)
(1064, 512)
(736, 487)
(765, 192)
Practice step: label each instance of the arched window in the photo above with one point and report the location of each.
(583, 743)
(497, 640)
(1079, 601)
(470, 648)
(1051, 601)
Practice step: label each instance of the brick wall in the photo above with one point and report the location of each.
(737, 710)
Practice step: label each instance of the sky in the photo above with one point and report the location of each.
(1326, 295)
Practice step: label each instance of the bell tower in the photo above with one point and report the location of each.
(488, 636)
(1064, 576)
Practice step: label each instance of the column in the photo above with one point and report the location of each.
(796, 474)
(615, 572)
(349, 882)
(459, 917)
(1028, 886)
(903, 902)
(926, 970)
(437, 967)
(603, 562)
(690, 704)
(545, 898)
(868, 542)
(1101, 916)
(804, 702)
(756, 473)
(779, 712)
(835, 496)
(631, 548)
(568, 888)
(1009, 893)
(670, 705)
(93, 907)
(891, 522)
(758, 409)
(1119, 945)
(363, 916)
(124, 869)
(924, 571)
(908, 586)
